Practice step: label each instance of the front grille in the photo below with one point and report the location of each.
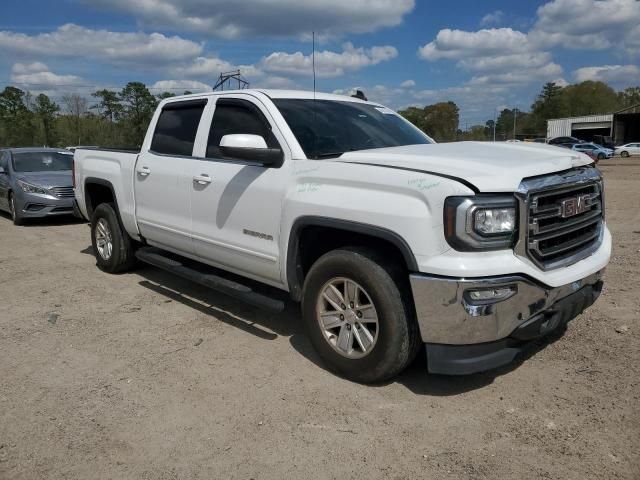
(62, 192)
(563, 221)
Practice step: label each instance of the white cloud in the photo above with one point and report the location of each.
(507, 62)
(408, 84)
(588, 24)
(178, 86)
(458, 44)
(328, 63)
(237, 19)
(37, 76)
(493, 18)
(212, 67)
(613, 74)
(116, 48)
(519, 76)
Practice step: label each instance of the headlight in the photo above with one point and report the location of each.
(28, 188)
(481, 222)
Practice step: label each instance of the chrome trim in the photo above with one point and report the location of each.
(445, 316)
(529, 193)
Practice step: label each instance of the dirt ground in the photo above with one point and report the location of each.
(145, 376)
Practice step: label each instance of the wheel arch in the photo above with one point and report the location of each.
(97, 191)
(301, 252)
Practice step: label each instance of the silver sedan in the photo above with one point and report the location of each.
(36, 183)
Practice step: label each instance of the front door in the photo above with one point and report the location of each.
(163, 177)
(236, 214)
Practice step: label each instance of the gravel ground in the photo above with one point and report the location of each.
(146, 376)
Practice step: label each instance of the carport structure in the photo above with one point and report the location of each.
(618, 128)
(626, 125)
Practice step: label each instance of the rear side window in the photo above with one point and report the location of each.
(177, 127)
(237, 116)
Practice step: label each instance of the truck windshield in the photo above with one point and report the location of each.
(41, 161)
(329, 128)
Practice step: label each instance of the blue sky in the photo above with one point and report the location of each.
(482, 55)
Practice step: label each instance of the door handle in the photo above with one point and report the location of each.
(144, 171)
(202, 179)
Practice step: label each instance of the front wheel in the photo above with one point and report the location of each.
(601, 156)
(112, 246)
(624, 154)
(359, 315)
(15, 213)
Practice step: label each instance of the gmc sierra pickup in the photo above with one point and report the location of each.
(387, 239)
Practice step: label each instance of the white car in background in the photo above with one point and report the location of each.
(628, 149)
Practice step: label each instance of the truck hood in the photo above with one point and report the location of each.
(61, 178)
(488, 166)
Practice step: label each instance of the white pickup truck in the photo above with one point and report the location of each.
(389, 240)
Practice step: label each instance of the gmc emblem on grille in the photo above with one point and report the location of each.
(575, 206)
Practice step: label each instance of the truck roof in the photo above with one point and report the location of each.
(273, 93)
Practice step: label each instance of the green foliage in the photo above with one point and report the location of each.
(440, 121)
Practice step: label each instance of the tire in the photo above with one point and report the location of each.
(624, 154)
(601, 156)
(15, 214)
(393, 341)
(112, 246)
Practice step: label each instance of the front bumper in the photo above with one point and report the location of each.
(465, 336)
(32, 205)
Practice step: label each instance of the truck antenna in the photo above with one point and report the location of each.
(313, 62)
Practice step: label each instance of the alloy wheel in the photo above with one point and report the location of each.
(104, 239)
(347, 317)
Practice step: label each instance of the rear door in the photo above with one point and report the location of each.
(162, 179)
(236, 214)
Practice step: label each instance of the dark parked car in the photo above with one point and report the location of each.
(563, 140)
(36, 182)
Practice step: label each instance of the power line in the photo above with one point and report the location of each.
(107, 87)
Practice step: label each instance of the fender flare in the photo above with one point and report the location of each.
(295, 278)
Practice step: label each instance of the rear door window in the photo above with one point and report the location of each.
(177, 127)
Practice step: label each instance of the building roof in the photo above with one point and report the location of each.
(634, 108)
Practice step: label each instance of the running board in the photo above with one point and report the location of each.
(172, 263)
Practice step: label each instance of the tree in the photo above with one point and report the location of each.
(15, 118)
(548, 104)
(629, 97)
(138, 107)
(109, 104)
(46, 111)
(589, 98)
(76, 107)
(163, 95)
(439, 121)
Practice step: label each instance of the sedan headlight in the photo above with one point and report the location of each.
(28, 188)
(480, 222)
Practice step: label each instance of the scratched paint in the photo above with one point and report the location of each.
(422, 184)
(308, 187)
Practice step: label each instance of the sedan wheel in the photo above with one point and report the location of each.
(347, 317)
(624, 154)
(15, 215)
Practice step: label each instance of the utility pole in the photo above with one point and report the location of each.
(494, 124)
(515, 114)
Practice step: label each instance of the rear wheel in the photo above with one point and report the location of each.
(113, 248)
(601, 156)
(15, 212)
(359, 315)
(624, 154)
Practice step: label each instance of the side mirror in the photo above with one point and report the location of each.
(250, 147)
